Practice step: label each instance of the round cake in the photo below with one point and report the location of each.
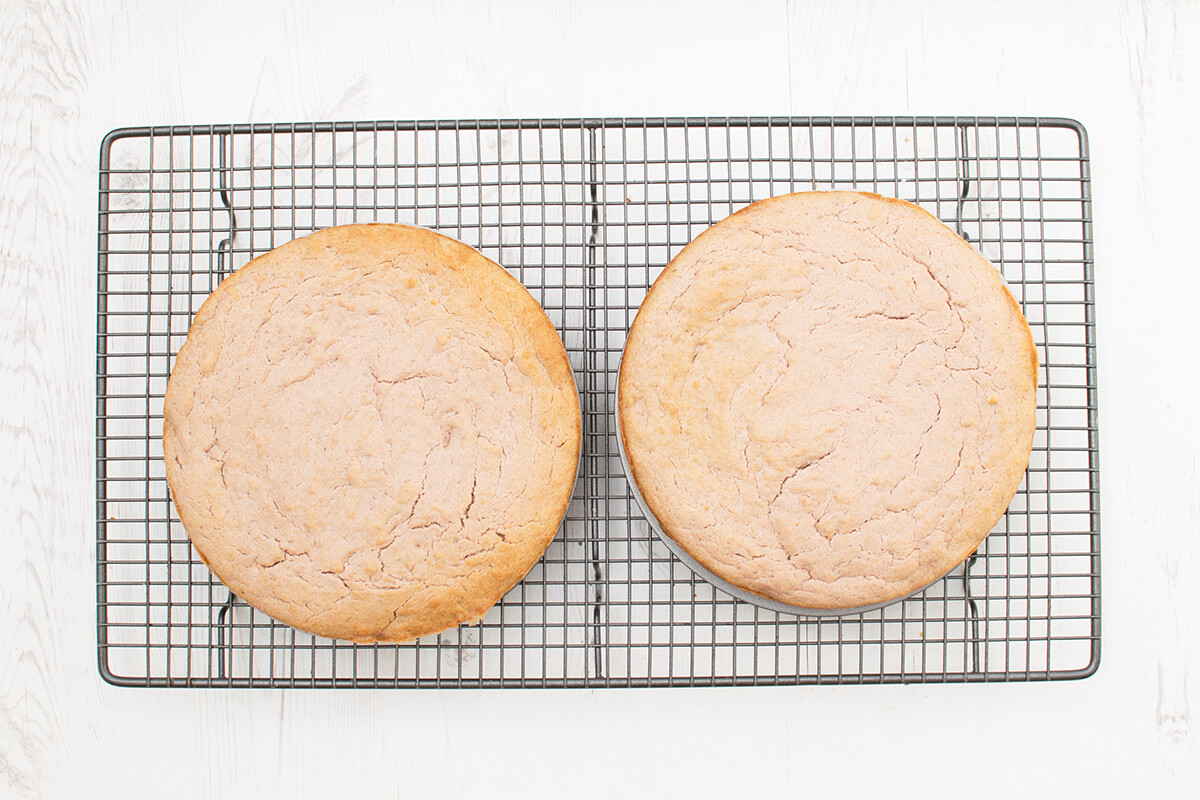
(371, 433)
(828, 399)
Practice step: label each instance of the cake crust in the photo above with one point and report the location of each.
(828, 399)
(371, 432)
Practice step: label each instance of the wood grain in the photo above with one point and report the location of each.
(54, 353)
(72, 70)
(22, 728)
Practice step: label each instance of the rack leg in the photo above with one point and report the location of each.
(225, 651)
(224, 181)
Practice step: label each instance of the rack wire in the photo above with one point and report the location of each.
(586, 213)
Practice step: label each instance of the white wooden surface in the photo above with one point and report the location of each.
(71, 71)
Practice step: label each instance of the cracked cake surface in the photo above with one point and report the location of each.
(828, 399)
(371, 433)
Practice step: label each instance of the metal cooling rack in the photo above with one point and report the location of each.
(586, 213)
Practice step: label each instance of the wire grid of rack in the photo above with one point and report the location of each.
(586, 213)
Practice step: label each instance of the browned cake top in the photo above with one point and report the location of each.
(371, 432)
(828, 399)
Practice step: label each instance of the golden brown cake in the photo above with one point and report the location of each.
(371, 433)
(828, 399)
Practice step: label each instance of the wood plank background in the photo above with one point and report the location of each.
(72, 70)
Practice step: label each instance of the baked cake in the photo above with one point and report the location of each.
(828, 399)
(371, 433)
